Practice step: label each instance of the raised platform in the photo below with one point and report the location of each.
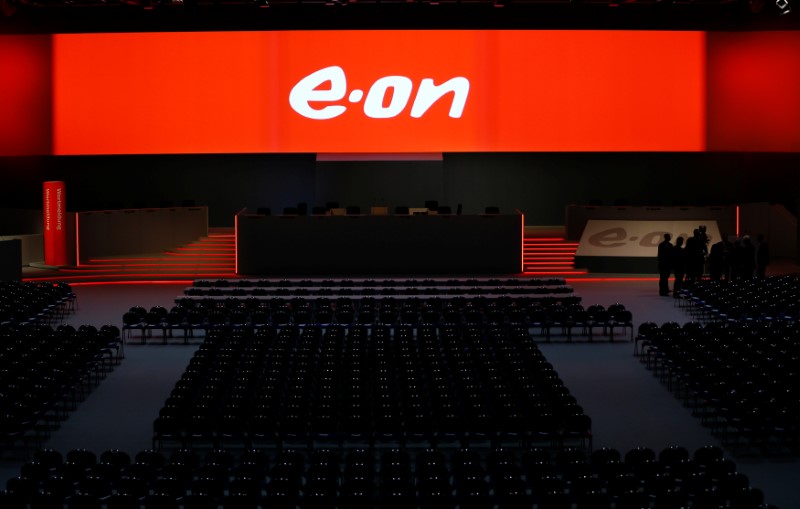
(400, 244)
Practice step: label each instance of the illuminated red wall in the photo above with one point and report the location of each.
(754, 91)
(25, 95)
(529, 91)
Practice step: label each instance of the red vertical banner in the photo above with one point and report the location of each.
(54, 212)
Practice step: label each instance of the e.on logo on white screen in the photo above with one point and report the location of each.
(307, 98)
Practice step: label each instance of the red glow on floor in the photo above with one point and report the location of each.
(115, 260)
(609, 279)
(556, 258)
(548, 248)
(154, 276)
(554, 273)
(130, 265)
(109, 283)
(552, 264)
(215, 256)
(190, 248)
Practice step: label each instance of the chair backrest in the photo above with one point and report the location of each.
(401, 210)
(492, 210)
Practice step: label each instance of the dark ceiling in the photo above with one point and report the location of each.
(59, 16)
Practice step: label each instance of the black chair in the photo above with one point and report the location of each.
(160, 501)
(120, 501)
(598, 318)
(22, 487)
(672, 455)
(197, 501)
(82, 457)
(264, 211)
(491, 210)
(639, 455)
(187, 457)
(175, 320)
(708, 455)
(132, 321)
(358, 494)
(622, 319)
(154, 320)
(353, 210)
(48, 457)
(115, 457)
(401, 210)
(83, 501)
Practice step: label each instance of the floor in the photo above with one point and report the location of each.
(628, 405)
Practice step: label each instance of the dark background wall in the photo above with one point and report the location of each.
(539, 184)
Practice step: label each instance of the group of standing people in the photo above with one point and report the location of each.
(727, 260)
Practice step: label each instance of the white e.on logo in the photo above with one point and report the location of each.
(305, 92)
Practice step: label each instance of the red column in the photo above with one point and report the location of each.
(55, 223)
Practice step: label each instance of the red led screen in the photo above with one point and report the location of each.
(379, 91)
(399, 91)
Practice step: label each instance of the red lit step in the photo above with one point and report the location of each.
(549, 256)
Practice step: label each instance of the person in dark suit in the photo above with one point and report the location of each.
(726, 245)
(678, 266)
(695, 255)
(748, 257)
(664, 265)
(716, 261)
(762, 257)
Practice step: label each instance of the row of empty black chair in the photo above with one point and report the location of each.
(361, 478)
(545, 317)
(740, 377)
(34, 302)
(384, 385)
(45, 371)
(773, 298)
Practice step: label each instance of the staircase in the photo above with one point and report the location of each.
(214, 257)
(208, 257)
(549, 256)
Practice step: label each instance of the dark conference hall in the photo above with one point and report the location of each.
(349, 254)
